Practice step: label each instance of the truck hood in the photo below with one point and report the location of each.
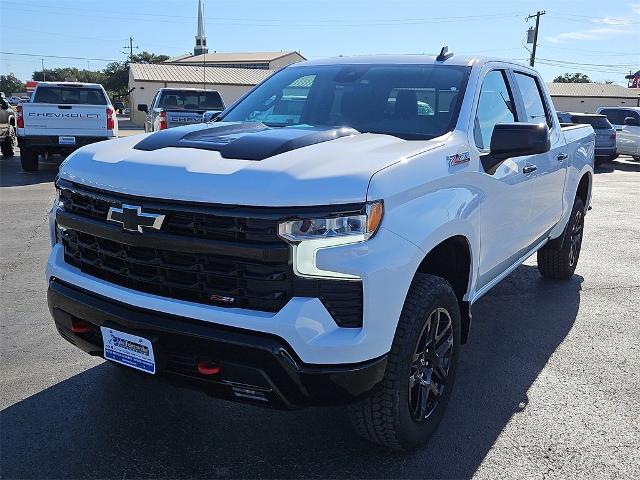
(200, 163)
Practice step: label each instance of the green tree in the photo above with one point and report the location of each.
(114, 78)
(117, 73)
(9, 84)
(66, 73)
(572, 78)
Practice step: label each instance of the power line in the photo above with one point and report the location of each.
(60, 56)
(288, 23)
(580, 64)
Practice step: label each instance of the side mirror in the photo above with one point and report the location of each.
(516, 140)
(3, 104)
(210, 115)
(632, 122)
(142, 107)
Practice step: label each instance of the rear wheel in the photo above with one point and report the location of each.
(29, 159)
(406, 408)
(560, 263)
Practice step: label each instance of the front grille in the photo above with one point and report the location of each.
(262, 282)
(190, 222)
(181, 275)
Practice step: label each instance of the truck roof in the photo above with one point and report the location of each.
(460, 60)
(72, 84)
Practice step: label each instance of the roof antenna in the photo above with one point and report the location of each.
(444, 54)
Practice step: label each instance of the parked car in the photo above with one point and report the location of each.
(173, 107)
(119, 106)
(15, 100)
(626, 121)
(63, 117)
(333, 258)
(605, 133)
(7, 128)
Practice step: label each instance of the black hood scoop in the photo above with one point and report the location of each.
(244, 141)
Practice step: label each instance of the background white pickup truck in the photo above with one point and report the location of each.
(329, 255)
(63, 117)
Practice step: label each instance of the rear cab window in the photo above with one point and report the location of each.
(617, 115)
(598, 123)
(69, 95)
(190, 100)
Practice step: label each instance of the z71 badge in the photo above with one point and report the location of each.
(458, 158)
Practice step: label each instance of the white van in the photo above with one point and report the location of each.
(626, 121)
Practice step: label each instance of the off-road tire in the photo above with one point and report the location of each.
(385, 417)
(559, 262)
(6, 147)
(29, 160)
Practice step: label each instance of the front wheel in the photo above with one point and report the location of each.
(406, 408)
(560, 263)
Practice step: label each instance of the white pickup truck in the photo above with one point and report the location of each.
(61, 118)
(331, 258)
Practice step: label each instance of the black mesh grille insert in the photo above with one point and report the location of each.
(208, 278)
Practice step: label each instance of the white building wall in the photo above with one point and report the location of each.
(589, 105)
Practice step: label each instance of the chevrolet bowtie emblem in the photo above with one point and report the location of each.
(131, 218)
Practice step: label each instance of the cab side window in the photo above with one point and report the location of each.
(532, 98)
(495, 106)
(614, 115)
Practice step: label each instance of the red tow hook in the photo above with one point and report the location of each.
(80, 326)
(205, 367)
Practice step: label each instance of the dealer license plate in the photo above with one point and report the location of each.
(130, 350)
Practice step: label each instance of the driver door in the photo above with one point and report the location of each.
(508, 209)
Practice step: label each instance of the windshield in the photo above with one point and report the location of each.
(70, 95)
(190, 100)
(595, 122)
(407, 101)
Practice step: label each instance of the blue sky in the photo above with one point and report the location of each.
(599, 38)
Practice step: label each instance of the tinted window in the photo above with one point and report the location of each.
(408, 101)
(532, 99)
(595, 122)
(495, 106)
(70, 95)
(617, 115)
(190, 100)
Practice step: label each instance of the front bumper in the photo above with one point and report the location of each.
(255, 367)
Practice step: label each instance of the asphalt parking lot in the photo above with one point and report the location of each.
(549, 383)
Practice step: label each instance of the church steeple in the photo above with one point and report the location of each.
(201, 39)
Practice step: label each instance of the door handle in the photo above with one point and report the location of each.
(529, 169)
(562, 157)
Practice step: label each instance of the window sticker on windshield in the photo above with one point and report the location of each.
(459, 158)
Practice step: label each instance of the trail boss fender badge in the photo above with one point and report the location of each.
(458, 159)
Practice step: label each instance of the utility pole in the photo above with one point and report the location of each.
(538, 14)
(44, 75)
(130, 47)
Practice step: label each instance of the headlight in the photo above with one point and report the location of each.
(307, 236)
(357, 225)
